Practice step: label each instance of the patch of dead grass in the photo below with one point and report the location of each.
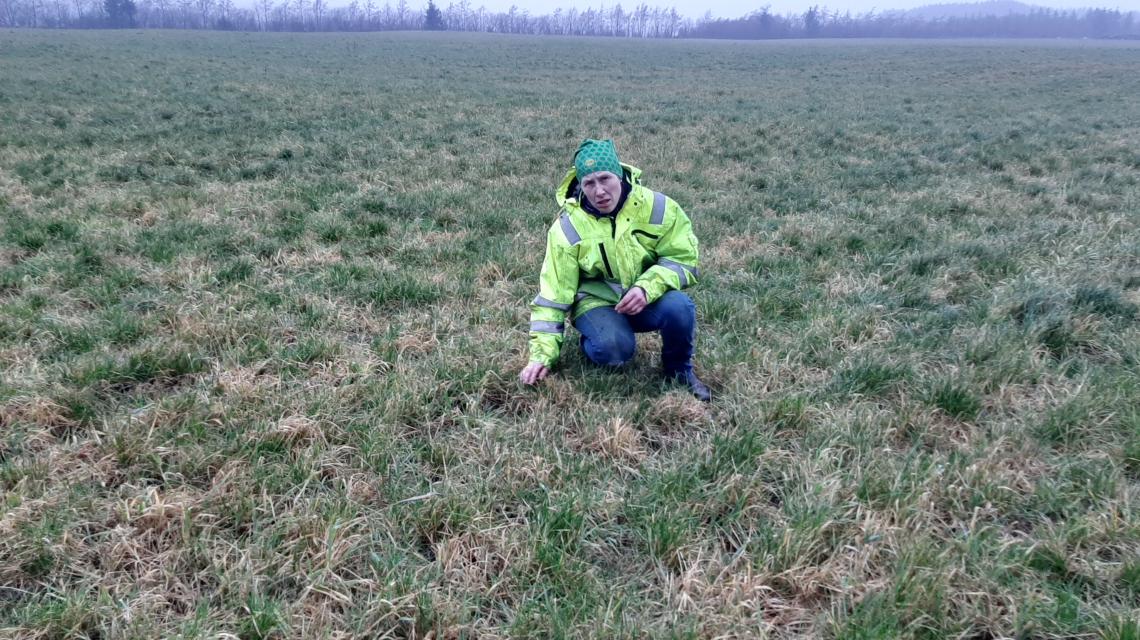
(479, 560)
(677, 412)
(731, 599)
(618, 440)
(735, 253)
(246, 382)
(844, 284)
(37, 411)
(417, 342)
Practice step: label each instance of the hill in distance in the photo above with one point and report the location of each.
(971, 9)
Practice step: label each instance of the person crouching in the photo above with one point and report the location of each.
(617, 260)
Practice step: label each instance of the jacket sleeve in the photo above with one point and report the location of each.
(677, 257)
(557, 286)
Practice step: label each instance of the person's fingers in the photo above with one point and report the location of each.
(630, 306)
(533, 372)
(632, 303)
(626, 304)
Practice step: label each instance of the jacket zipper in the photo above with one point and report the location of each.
(639, 232)
(606, 260)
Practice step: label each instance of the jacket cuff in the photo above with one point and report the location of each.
(652, 287)
(544, 352)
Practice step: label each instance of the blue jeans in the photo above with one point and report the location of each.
(608, 336)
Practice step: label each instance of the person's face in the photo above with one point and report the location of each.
(603, 190)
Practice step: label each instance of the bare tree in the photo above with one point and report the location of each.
(387, 16)
(353, 15)
(163, 7)
(454, 15)
(318, 14)
(402, 14)
(62, 12)
(7, 13)
(79, 4)
(370, 13)
(261, 14)
(302, 9)
(282, 14)
(205, 7)
(185, 11)
(674, 22)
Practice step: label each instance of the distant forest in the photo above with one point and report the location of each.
(641, 21)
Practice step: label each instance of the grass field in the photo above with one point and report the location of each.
(263, 302)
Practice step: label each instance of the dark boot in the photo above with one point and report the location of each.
(688, 378)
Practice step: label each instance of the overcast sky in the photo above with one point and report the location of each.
(737, 8)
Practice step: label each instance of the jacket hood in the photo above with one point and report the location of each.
(567, 193)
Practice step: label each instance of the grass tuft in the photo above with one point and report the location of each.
(154, 365)
(956, 400)
(868, 379)
(1106, 302)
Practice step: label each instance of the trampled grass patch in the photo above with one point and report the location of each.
(263, 303)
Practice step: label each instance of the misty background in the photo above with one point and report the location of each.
(739, 8)
(735, 19)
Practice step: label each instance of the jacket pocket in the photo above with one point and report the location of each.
(648, 241)
(606, 260)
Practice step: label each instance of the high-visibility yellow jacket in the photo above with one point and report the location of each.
(591, 261)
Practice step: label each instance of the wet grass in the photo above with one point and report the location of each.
(263, 302)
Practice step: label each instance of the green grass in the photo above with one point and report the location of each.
(263, 302)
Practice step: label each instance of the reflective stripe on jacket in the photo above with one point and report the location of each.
(591, 261)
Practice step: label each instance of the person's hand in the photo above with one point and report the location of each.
(533, 372)
(632, 303)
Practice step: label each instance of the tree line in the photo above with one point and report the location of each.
(642, 21)
(820, 23)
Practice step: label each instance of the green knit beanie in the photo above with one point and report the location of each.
(596, 155)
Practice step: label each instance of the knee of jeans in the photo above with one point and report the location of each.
(678, 309)
(611, 351)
